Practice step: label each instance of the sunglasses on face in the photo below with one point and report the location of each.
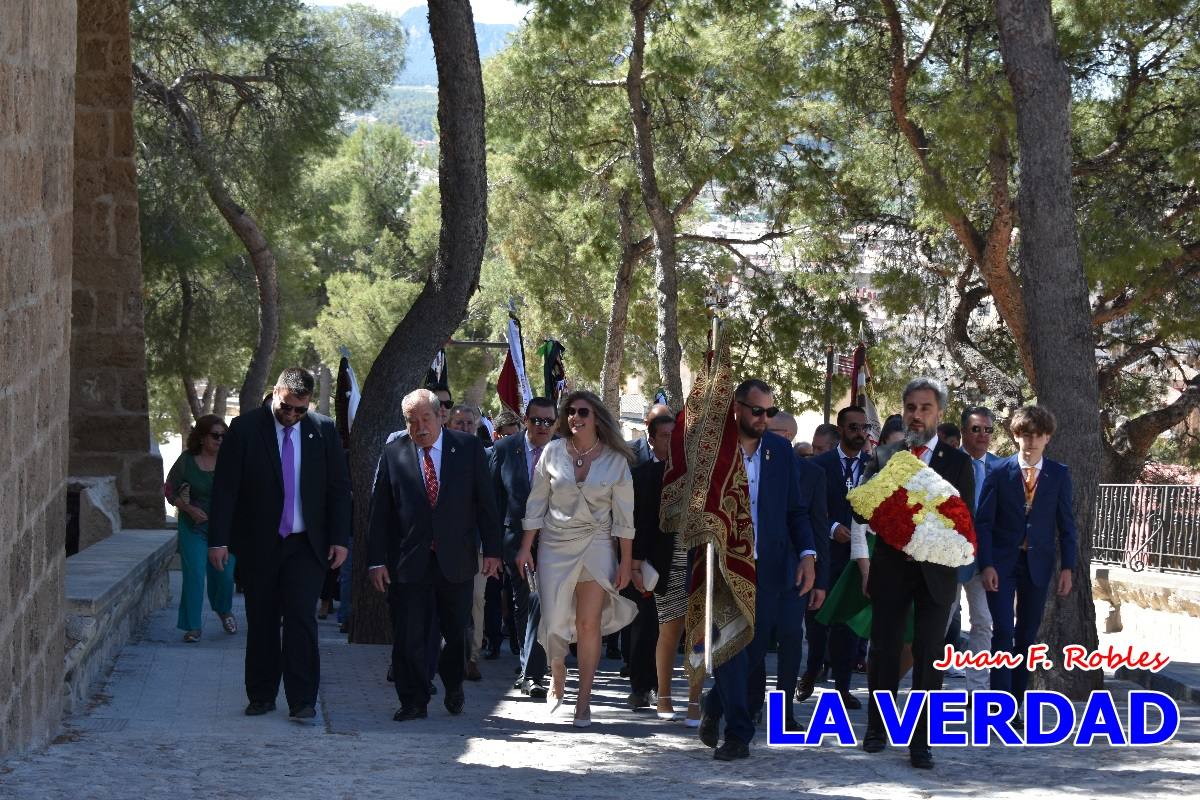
(541, 422)
(447, 404)
(582, 411)
(978, 428)
(758, 411)
(301, 410)
(216, 436)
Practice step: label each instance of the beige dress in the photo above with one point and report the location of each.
(578, 522)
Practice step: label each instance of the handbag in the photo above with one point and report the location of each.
(649, 576)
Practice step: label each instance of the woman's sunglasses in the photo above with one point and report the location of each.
(582, 411)
(758, 411)
(216, 436)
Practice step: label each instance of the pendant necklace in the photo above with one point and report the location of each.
(579, 460)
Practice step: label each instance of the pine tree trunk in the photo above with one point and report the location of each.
(221, 401)
(618, 316)
(1056, 305)
(324, 389)
(442, 304)
(666, 280)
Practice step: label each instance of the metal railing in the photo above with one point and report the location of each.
(1142, 526)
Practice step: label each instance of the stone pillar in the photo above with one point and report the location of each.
(37, 68)
(110, 428)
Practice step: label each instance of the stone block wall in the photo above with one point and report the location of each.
(37, 114)
(110, 430)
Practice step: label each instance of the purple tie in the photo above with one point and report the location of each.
(288, 458)
(537, 454)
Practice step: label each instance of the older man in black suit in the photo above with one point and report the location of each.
(895, 582)
(281, 503)
(432, 508)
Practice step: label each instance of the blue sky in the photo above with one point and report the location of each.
(490, 11)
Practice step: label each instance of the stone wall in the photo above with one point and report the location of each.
(110, 430)
(37, 67)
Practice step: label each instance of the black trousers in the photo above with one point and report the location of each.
(285, 586)
(643, 640)
(833, 643)
(527, 614)
(411, 606)
(896, 584)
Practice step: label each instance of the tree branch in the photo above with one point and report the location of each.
(1165, 277)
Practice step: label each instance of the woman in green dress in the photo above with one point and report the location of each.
(189, 489)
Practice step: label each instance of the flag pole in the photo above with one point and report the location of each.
(716, 303)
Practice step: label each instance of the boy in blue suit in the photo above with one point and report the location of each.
(1024, 518)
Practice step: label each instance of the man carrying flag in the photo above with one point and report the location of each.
(733, 484)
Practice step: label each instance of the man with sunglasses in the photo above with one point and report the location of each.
(785, 570)
(843, 466)
(978, 423)
(512, 462)
(281, 503)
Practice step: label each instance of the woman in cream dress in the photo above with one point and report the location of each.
(580, 502)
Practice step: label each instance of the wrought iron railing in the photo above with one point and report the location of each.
(1143, 526)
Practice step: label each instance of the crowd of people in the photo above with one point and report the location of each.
(552, 523)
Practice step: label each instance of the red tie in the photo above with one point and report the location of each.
(431, 481)
(920, 450)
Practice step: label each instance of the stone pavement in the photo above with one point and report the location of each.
(168, 723)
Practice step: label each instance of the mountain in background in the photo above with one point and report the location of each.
(419, 66)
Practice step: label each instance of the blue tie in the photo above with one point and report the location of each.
(979, 475)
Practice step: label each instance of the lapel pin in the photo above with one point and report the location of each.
(768, 455)
(310, 436)
(452, 450)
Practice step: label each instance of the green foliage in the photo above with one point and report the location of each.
(411, 108)
(269, 82)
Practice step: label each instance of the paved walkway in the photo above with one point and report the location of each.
(169, 723)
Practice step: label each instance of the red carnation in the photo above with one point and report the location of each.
(955, 510)
(893, 519)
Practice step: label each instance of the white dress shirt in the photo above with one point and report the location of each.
(297, 506)
(753, 464)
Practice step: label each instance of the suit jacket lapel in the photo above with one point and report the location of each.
(310, 456)
(272, 447)
(521, 484)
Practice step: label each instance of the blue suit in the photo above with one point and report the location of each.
(510, 479)
(990, 460)
(841, 641)
(1023, 549)
(783, 532)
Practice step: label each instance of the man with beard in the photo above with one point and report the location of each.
(843, 466)
(895, 582)
(784, 569)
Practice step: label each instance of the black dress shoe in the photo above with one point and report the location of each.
(874, 741)
(638, 700)
(410, 712)
(303, 711)
(851, 702)
(532, 688)
(710, 732)
(455, 700)
(258, 708)
(804, 688)
(732, 750)
(920, 757)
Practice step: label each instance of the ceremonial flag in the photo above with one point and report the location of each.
(705, 499)
(513, 385)
(438, 378)
(860, 376)
(553, 371)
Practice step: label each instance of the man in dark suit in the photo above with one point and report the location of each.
(843, 467)
(512, 462)
(784, 567)
(895, 581)
(431, 506)
(1025, 521)
(641, 446)
(281, 503)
